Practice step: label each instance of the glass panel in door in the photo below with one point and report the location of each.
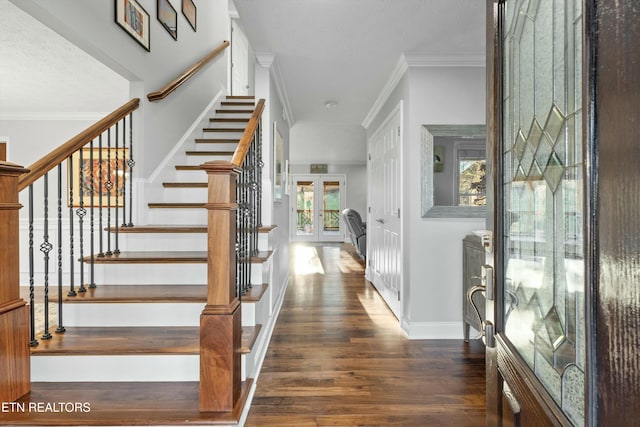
(331, 203)
(542, 163)
(305, 208)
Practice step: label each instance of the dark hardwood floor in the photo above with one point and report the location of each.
(339, 358)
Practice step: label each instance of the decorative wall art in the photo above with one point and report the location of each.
(278, 156)
(168, 17)
(134, 20)
(190, 12)
(111, 177)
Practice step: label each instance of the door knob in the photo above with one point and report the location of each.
(380, 220)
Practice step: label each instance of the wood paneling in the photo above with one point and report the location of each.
(3, 151)
(14, 354)
(339, 357)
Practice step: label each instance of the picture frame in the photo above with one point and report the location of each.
(168, 17)
(190, 12)
(278, 162)
(78, 175)
(134, 20)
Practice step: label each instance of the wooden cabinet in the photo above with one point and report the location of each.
(473, 255)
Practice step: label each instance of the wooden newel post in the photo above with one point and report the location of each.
(15, 379)
(220, 322)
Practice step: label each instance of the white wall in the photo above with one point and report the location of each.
(432, 288)
(91, 26)
(343, 147)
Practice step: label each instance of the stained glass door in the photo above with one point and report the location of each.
(539, 311)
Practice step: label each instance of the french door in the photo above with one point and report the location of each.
(561, 271)
(317, 203)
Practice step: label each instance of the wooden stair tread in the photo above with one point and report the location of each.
(249, 337)
(190, 168)
(217, 140)
(185, 184)
(210, 153)
(124, 403)
(226, 111)
(239, 130)
(255, 293)
(238, 104)
(160, 228)
(229, 120)
(122, 341)
(240, 97)
(165, 257)
(152, 257)
(180, 205)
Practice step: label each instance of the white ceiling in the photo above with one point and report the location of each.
(342, 50)
(346, 50)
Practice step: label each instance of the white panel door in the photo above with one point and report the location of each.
(239, 61)
(316, 203)
(384, 260)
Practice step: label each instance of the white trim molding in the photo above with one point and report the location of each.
(268, 60)
(57, 116)
(393, 80)
(433, 330)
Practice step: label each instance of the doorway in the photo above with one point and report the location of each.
(316, 206)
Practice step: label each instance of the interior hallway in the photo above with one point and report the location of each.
(339, 358)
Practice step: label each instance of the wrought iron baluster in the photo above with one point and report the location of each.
(118, 169)
(124, 174)
(92, 192)
(131, 164)
(60, 328)
(32, 306)
(260, 164)
(45, 248)
(81, 212)
(108, 186)
(100, 171)
(72, 291)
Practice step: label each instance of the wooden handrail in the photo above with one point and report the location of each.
(51, 160)
(247, 136)
(178, 81)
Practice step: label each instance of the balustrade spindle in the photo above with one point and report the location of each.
(45, 248)
(118, 170)
(32, 304)
(131, 163)
(72, 291)
(60, 328)
(124, 175)
(108, 186)
(92, 193)
(100, 204)
(81, 212)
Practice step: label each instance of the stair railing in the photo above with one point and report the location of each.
(234, 212)
(98, 190)
(190, 72)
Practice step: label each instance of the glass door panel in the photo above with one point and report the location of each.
(542, 185)
(331, 202)
(305, 208)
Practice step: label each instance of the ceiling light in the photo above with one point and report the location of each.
(330, 104)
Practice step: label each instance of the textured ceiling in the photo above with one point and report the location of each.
(41, 72)
(345, 50)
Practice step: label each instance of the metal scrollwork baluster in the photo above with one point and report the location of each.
(81, 212)
(45, 248)
(60, 329)
(32, 306)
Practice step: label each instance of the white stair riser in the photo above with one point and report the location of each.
(139, 314)
(183, 194)
(189, 176)
(164, 242)
(198, 160)
(156, 274)
(233, 115)
(215, 146)
(244, 106)
(221, 135)
(177, 216)
(115, 368)
(227, 125)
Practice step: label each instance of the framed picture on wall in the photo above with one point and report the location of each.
(278, 163)
(109, 173)
(168, 17)
(134, 20)
(190, 12)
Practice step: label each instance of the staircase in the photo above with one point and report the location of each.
(130, 353)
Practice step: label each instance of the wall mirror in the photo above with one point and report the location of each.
(453, 166)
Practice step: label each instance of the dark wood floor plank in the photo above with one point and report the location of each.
(339, 358)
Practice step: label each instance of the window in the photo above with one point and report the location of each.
(470, 189)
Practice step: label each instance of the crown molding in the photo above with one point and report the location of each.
(415, 60)
(393, 80)
(268, 60)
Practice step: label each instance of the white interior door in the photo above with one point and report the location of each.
(384, 252)
(239, 61)
(316, 206)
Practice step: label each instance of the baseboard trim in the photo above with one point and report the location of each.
(432, 330)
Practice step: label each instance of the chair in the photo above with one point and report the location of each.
(356, 229)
